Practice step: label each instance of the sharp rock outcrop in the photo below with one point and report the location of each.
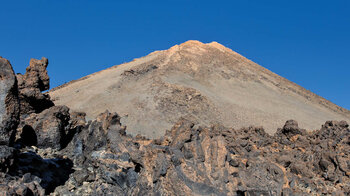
(30, 86)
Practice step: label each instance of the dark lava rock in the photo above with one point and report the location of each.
(192, 160)
(9, 106)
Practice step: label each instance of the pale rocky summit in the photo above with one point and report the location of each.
(208, 82)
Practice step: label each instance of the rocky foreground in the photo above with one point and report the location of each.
(46, 149)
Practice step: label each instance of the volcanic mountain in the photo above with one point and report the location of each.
(207, 83)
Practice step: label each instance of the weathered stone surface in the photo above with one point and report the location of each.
(31, 84)
(9, 107)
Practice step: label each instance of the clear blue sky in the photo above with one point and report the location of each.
(308, 42)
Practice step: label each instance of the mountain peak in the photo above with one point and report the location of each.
(207, 82)
(197, 43)
(194, 46)
(191, 43)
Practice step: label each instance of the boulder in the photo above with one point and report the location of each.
(291, 128)
(290, 132)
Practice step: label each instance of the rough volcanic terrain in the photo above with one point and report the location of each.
(209, 82)
(48, 149)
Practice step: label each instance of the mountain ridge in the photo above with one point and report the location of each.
(197, 70)
(214, 44)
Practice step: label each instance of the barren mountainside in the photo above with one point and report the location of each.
(206, 83)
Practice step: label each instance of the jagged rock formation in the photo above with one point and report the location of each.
(192, 160)
(209, 82)
(57, 152)
(30, 86)
(23, 171)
